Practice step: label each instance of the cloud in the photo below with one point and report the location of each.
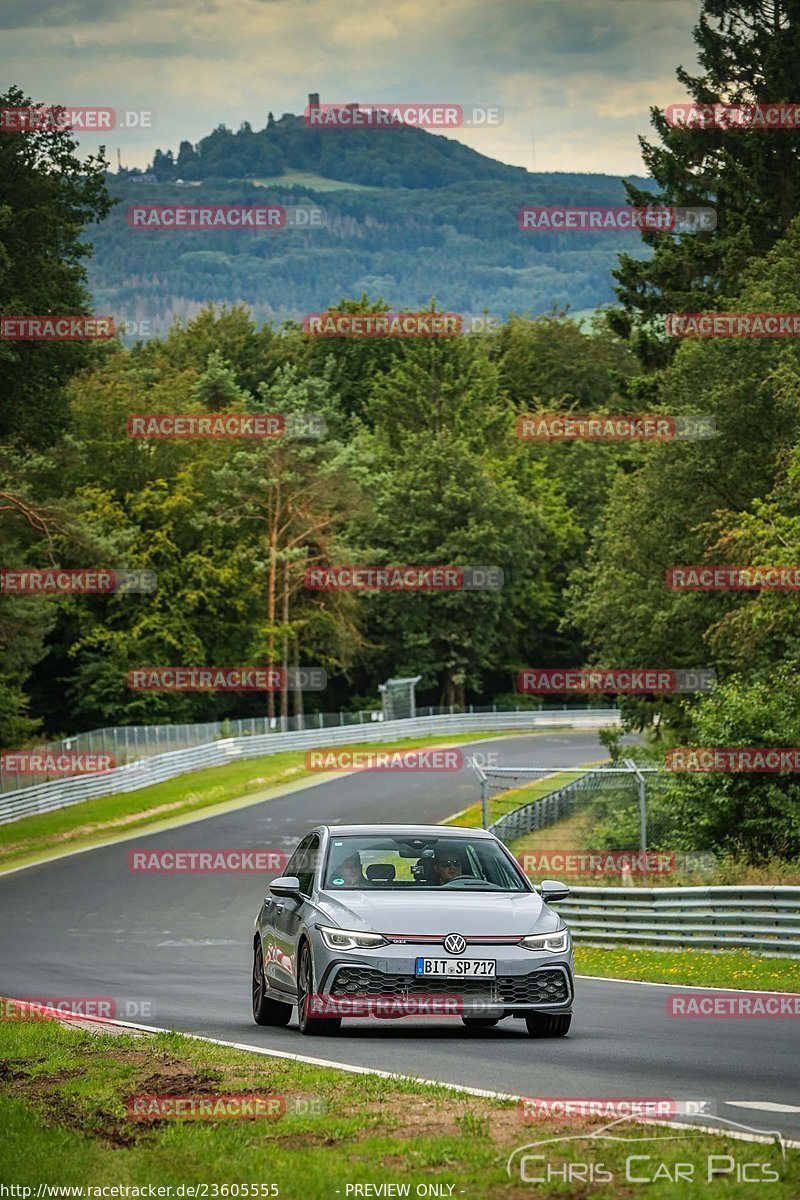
(575, 76)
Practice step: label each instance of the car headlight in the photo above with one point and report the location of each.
(547, 941)
(350, 939)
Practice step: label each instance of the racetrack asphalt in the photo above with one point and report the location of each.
(174, 950)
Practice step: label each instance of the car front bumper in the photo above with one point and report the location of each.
(524, 983)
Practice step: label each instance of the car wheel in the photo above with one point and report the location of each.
(480, 1022)
(308, 1024)
(266, 1011)
(546, 1025)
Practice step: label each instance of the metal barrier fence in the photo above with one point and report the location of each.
(63, 792)
(766, 919)
(545, 811)
(760, 918)
(129, 743)
(561, 802)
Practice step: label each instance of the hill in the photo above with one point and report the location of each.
(410, 215)
(387, 158)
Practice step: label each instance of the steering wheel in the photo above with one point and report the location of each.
(457, 879)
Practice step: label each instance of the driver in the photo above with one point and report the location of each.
(447, 865)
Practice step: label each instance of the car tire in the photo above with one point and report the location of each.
(309, 1025)
(481, 1022)
(265, 1010)
(548, 1025)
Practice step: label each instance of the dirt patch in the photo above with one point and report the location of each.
(180, 1079)
(7, 1072)
(407, 1115)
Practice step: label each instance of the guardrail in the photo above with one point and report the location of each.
(128, 743)
(761, 918)
(45, 797)
(766, 919)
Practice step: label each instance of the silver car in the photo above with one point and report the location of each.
(399, 920)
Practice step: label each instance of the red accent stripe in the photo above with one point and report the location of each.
(473, 940)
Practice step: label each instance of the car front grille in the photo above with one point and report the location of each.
(538, 987)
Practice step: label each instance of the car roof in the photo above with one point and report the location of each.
(409, 830)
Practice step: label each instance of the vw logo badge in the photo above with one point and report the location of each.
(454, 943)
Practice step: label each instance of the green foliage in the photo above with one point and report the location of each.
(749, 52)
(749, 816)
(48, 195)
(459, 241)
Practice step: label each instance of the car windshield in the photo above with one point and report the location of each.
(365, 862)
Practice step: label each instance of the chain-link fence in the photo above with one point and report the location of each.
(607, 824)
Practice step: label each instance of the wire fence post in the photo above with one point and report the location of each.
(642, 787)
(485, 802)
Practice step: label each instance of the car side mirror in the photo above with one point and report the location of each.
(553, 891)
(286, 885)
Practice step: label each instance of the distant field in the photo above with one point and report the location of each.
(320, 183)
(583, 315)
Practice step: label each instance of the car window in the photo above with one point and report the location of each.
(308, 855)
(298, 856)
(383, 861)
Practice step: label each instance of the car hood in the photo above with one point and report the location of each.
(431, 912)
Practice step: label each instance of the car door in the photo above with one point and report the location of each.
(289, 912)
(273, 907)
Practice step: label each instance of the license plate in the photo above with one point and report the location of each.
(462, 968)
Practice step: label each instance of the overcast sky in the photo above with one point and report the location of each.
(574, 78)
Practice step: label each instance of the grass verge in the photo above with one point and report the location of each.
(65, 1110)
(92, 822)
(733, 969)
(506, 802)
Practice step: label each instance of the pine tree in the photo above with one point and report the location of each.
(750, 52)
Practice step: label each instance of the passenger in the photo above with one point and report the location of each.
(350, 871)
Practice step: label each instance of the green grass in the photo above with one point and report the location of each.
(506, 802)
(65, 1119)
(731, 969)
(93, 822)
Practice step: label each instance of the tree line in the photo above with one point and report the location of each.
(421, 464)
